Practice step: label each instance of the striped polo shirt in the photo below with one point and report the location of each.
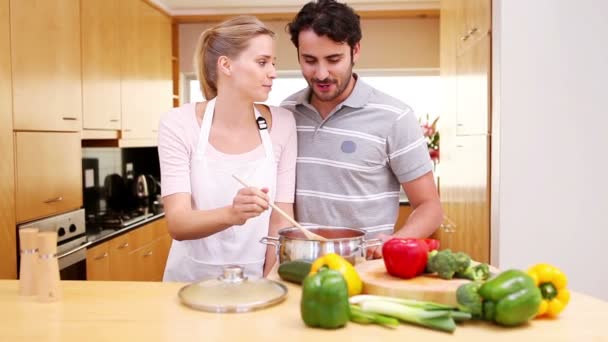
(350, 165)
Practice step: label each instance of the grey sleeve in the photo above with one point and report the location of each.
(407, 149)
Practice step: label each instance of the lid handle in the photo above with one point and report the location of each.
(232, 274)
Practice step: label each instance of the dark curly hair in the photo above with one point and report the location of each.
(328, 18)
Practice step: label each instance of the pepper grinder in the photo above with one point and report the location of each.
(48, 288)
(29, 260)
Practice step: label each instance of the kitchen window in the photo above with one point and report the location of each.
(420, 89)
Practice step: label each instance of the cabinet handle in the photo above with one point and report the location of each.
(127, 130)
(124, 245)
(459, 145)
(465, 37)
(102, 256)
(472, 31)
(148, 254)
(113, 120)
(154, 131)
(69, 118)
(53, 200)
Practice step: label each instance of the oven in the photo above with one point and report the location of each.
(71, 240)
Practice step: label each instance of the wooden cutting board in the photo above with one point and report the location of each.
(425, 287)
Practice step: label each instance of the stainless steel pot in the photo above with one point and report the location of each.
(292, 245)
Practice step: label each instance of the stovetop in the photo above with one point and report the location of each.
(116, 219)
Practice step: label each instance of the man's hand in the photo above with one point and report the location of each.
(376, 252)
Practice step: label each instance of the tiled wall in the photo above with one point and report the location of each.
(101, 162)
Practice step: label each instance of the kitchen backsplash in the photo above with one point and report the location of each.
(101, 167)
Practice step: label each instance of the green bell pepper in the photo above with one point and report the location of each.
(511, 298)
(325, 300)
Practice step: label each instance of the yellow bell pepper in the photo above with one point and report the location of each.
(334, 261)
(552, 284)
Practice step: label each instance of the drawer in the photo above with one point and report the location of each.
(148, 233)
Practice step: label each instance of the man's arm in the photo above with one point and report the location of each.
(427, 213)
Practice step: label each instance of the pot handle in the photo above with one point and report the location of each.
(372, 243)
(270, 240)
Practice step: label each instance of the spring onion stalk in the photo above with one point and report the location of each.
(362, 317)
(409, 302)
(434, 319)
(460, 316)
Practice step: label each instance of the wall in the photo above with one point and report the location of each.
(386, 43)
(550, 199)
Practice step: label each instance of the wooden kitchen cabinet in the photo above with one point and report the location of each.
(100, 64)
(8, 238)
(465, 196)
(465, 127)
(139, 255)
(48, 174)
(473, 89)
(151, 259)
(474, 21)
(120, 259)
(46, 69)
(98, 262)
(147, 87)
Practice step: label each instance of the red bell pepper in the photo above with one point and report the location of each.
(433, 244)
(405, 257)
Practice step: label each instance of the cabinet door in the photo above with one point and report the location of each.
(474, 22)
(48, 174)
(120, 259)
(98, 262)
(100, 64)
(144, 261)
(465, 196)
(45, 52)
(473, 89)
(146, 66)
(164, 245)
(8, 253)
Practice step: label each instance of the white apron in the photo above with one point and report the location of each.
(213, 187)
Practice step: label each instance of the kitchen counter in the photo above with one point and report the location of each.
(151, 311)
(97, 237)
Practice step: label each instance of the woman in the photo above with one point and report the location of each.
(213, 219)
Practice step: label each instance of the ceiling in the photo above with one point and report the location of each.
(214, 7)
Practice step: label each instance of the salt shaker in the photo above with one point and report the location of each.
(29, 260)
(48, 288)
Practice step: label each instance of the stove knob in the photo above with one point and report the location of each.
(72, 228)
(61, 231)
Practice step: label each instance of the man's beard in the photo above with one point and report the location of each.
(340, 87)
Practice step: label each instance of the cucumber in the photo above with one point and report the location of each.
(294, 271)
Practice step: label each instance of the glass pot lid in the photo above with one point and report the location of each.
(232, 292)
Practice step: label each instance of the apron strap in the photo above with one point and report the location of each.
(266, 141)
(203, 138)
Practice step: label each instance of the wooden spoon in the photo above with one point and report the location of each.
(309, 235)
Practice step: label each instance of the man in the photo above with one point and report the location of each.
(356, 145)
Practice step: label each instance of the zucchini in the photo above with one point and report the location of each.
(294, 271)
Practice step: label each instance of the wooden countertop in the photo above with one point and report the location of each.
(151, 311)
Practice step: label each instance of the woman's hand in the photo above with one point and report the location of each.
(249, 202)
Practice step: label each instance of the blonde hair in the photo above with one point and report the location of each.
(228, 38)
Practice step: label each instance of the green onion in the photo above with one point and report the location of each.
(409, 302)
(359, 316)
(434, 319)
